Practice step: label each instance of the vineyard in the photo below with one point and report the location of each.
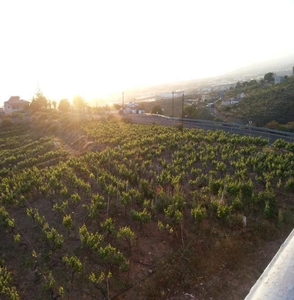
(125, 211)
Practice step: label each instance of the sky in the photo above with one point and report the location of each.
(93, 48)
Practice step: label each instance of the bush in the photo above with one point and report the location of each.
(268, 200)
(223, 212)
(290, 147)
(179, 126)
(270, 209)
(289, 185)
(127, 120)
(280, 144)
(232, 189)
(215, 186)
(157, 109)
(201, 181)
(272, 125)
(237, 205)
(6, 122)
(198, 213)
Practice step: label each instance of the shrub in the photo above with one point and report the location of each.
(289, 185)
(237, 204)
(215, 186)
(290, 147)
(127, 120)
(268, 199)
(223, 212)
(232, 189)
(198, 213)
(201, 181)
(280, 144)
(6, 122)
(179, 126)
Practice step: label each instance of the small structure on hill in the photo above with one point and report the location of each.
(279, 79)
(133, 108)
(15, 104)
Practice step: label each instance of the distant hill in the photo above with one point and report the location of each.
(280, 66)
(263, 103)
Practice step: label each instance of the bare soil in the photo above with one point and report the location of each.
(210, 262)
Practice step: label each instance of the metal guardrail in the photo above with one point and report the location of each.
(277, 280)
(262, 132)
(266, 133)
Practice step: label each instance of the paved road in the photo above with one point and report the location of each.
(272, 136)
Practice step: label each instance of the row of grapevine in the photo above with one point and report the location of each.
(76, 223)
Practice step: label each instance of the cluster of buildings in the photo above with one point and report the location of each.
(279, 79)
(133, 108)
(13, 105)
(234, 101)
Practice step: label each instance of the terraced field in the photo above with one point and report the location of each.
(110, 210)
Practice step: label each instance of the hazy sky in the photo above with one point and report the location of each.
(93, 47)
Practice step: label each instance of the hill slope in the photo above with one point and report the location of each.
(263, 103)
(148, 213)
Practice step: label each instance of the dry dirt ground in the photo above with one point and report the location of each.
(216, 268)
(161, 268)
(220, 267)
(212, 264)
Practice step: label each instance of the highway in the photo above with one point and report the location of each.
(270, 135)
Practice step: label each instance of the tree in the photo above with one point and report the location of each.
(252, 82)
(269, 76)
(64, 105)
(39, 101)
(79, 103)
(157, 109)
(116, 106)
(273, 125)
(54, 104)
(238, 85)
(191, 111)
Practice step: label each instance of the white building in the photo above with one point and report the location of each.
(279, 79)
(15, 104)
(133, 108)
(241, 96)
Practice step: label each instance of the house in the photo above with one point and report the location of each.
(15, 104)
(133, 108)
(241, 96)
(205, 98)
(279, 79)
(232, 101)
(235, 101)
(226, 102)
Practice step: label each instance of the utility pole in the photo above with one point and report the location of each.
(173, 105)
(183, 113)
(122, 100)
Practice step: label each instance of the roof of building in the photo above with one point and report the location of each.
(16, 99)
